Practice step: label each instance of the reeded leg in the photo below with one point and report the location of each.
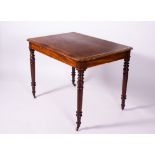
(73, 76)
(79, 97)
(32, 65)
(125, 80)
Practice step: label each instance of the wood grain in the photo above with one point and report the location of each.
(74, 48)
(81, 52)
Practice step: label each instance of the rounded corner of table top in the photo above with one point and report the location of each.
(28, 39)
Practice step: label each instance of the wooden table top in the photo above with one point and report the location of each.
(76, 47)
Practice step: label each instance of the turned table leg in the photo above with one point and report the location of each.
(73, 76)
(79, 97)
(32, 65)
(125, 80)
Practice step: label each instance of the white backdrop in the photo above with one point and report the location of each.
(54, 109)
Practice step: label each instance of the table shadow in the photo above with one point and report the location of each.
(141, 83)
(119, 124)
(140, 107)
(54, 90)
(60, 88)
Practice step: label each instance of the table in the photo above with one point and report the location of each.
(81, 52)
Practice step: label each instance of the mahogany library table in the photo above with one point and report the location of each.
(80, 52)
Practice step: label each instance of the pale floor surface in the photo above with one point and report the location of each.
(53, 111)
